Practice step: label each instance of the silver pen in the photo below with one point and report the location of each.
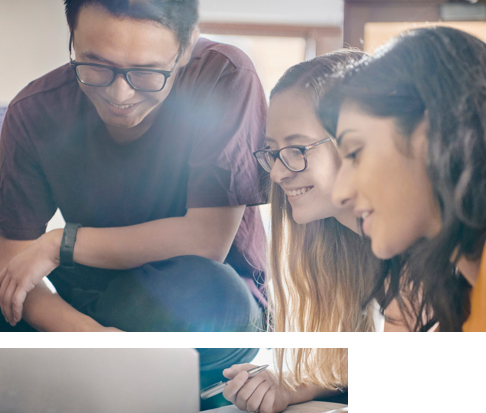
(219, 387)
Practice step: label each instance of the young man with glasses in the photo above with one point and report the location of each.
(144, 143)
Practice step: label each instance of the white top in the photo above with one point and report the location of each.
(378, 318)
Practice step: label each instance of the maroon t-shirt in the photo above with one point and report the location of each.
(55, 152)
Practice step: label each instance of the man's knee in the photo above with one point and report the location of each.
(207, 294)
(187, 293)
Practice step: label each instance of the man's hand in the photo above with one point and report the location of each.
(25, 271)
(260, 393)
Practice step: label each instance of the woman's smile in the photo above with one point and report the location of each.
(296, 193)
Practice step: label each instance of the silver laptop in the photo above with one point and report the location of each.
(99, 380)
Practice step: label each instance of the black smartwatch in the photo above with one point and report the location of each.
(67, 245)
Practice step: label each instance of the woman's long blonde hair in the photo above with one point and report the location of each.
(327, 367)
(320, 272)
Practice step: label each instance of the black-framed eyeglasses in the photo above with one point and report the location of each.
(143, 80)
(292, 157)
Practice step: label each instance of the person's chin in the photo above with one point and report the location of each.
(379, 253)
(304, 217)
(299, 218)
(383, 249)
(121, 122)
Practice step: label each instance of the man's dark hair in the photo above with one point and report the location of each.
(180, 16)
(438, 72)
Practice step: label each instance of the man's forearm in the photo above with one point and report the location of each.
(47, 311)
(9, 249)
(207, 232)
(44, 309)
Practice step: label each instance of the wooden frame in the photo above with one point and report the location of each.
(323, 39)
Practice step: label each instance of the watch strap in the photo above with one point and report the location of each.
(67, 245)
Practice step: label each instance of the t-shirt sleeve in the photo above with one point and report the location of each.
(230, 126)
(26, 203)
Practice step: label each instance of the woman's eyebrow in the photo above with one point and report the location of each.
(290, 138)
(341, 136)
(296, 136)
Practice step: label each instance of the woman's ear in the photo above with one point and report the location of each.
(419, 139)
(185, 57)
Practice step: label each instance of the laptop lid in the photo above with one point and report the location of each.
(99, 380)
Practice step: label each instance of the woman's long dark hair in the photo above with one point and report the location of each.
(437, 72)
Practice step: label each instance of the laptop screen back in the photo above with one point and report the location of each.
(99, 380)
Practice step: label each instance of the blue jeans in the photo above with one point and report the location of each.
(186, 293)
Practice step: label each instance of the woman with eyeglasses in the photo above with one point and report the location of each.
(410, 123)
(321, 270)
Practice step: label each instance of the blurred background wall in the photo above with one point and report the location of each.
(33, 40)
(34, 35)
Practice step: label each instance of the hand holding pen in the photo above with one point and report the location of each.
(261, 393)
(219, 387)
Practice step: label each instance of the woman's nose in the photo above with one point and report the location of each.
(344, 191)
(279, 172)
